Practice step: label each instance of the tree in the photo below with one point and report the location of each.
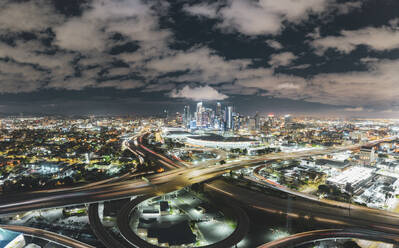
(324, 189)
(282, 179)
(294, 163)
(382, 155)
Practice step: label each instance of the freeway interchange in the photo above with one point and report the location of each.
(182, 174)
(157, 184)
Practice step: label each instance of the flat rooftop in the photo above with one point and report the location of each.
(178, 132)
(215, 137)
(7, 236)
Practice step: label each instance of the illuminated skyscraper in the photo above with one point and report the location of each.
(229, 118)
(199, 114)
(251, 124)
(199, 107)
(271, 120)
(287, 119)
(186, 116)
(218, 110)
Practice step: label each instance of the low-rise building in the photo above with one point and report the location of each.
(354, 177)
(10, 239)
(218, 141)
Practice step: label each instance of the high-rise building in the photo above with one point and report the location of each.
(186, 116)
(251, 124)
(179, 118)
(287, 119)
(218, 110)
(229, 118)
(199, 114)
(271, 120)
(208, 116)
(212, 118)
(199, 107)
(257, 121)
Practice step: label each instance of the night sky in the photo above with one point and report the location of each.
(316, 57)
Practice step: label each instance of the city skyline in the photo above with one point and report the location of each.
(120, 57)
(186, 123)
(155, 181)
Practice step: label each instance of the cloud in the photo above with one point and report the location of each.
(390, 111)
(356, 109)
(202, 9)
(118, 71)
(288, 86)
(17, 78)
(266, 16)
(198, 93)
(315, 34)
(17, 16)
(92, 30)
(199, 64)
(294, 10)
(275, 84)
(373, 87)
(355, 88)
(237, 89)
(345, 8)
(203, 65)
(394, 22)
(34, 52)
(368, 60)
(249, 17)
(76, 57)
(73, 53)
(80, 35)
(159, 87)
(381, 38)
(376, 86)
(282, 59)
(300, 67)
(274, 44)
(120, 84)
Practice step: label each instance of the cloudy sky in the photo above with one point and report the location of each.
(141, 56)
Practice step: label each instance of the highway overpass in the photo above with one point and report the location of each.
(305, 210)
(331, 234)
(158, 184)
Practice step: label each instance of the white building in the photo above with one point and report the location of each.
(354, 176)
(226, 143)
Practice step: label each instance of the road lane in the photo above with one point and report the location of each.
(46, 235)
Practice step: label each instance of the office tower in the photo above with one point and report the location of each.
(270, 120)
(257, 121)
(199, 107)
(179, 118)
(208, 116)
(251, 124)
(287, 118)
(199, 114)
(229, 118)
(186, 116)
(218, 110)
